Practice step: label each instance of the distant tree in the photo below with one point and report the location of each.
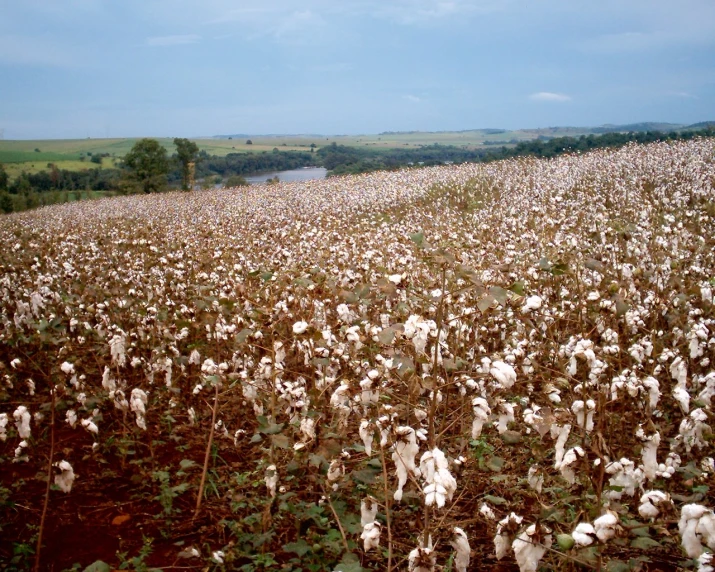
(187, 153)
(236, 181)
(249, 142)
(3, 178)
(148, 165)
(6, 203)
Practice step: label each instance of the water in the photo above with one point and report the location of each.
(304, 174)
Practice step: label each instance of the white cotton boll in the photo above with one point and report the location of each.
(138, 401)
(300, 327)
(567, 467)
(435, 493)
(307, 428)
(117, 346)
(690, 517)
(649, 452)
(486, 511)
(420, 414)
(22, 421)
(404, 453)
(652, 503)
(71, 418)
(395, 278)
(4, 420)
(606, 526)
(532, 303)
(368, 510)
(460, 543)
(692, 430)
(421, 560)
(503, 373)
(65, 479)
(653, 387)
(584, 414)
(194, 357)
(218, 556)
(706, 529)
(584, 534)
(67, 368)
(682, 396)
(506, 416)
(371, 535)
(704, 562)
(90, 426)
(530, 546)
(535, 478)
(14, 363)
(481, 415)
(559, 446)
(21, 446)
(271, 480)
(366, 435)
(506, 531)
(336, 470)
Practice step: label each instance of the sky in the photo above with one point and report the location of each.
(190, 68)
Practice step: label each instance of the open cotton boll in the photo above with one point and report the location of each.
(300, 327)
(532, 303)
(404, 453)
(653, 502)
(368, 510)
(22, 422)
(460, 543)
(335, 472)
(584, 534)
(90, 426)
(535, 478)
(486, 511)
(371, 535)
(67, 368)
(704, 562)
(65, 479)
(421, 560)
(4, 420)
(606, 526)
(366, 434)
(584, 413)
(530, 546)
(138, 401)
(649, 452)
(481, 415)
(70, 416)
(692, 430)
(271, 480)
(506, 531)
(568, 465)
(506, 416)
(691, 533)
(503, 373)
(561, 434)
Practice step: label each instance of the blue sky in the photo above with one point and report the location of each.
(98, 68)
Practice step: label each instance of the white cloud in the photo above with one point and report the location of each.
(163, 41)
(412, 98)
(549, 96)
(683, 94)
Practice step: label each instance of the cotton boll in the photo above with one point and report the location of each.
(371, 535)
(486, 511)
(67, 368)
(704, 562)
(653, 502)
(503, 373)
(90, 426)
(65, 479)
(460, 543)
(535, 478)
(405, 451)
(368, 510)
(271, 480)
(606, 526)
(481, 410)
(335, 472)
(688, 524)
(530, 547)
(562, 435)
(506, 531)
(682, 396)
(584, 534)
(649, 452)
(567, 467)
(71, 418)
(22, 422)
(421, 560)
(4, 420)
(138, 401)
(532, 303)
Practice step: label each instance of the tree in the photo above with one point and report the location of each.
(249, 142)
(148, 165)
(187, 152)
(3, 178)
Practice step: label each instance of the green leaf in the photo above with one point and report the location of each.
(271, 428)
(281, 441)
(187, 464)
(386, 336)
(365, 476)
(511, 437)
(485, 303)
(418, 238)
(644, 543)
(301, 547)
(597, 265)
(349, 563)
(98, 566)
(499, 294)
(495, 464)
(618, 566)
(517, 288)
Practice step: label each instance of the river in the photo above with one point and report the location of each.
(304, 174)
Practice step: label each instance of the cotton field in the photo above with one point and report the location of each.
(505, 366)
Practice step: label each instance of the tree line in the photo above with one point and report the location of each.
(148, 168)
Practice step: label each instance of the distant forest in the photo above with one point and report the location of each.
(53, 186)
